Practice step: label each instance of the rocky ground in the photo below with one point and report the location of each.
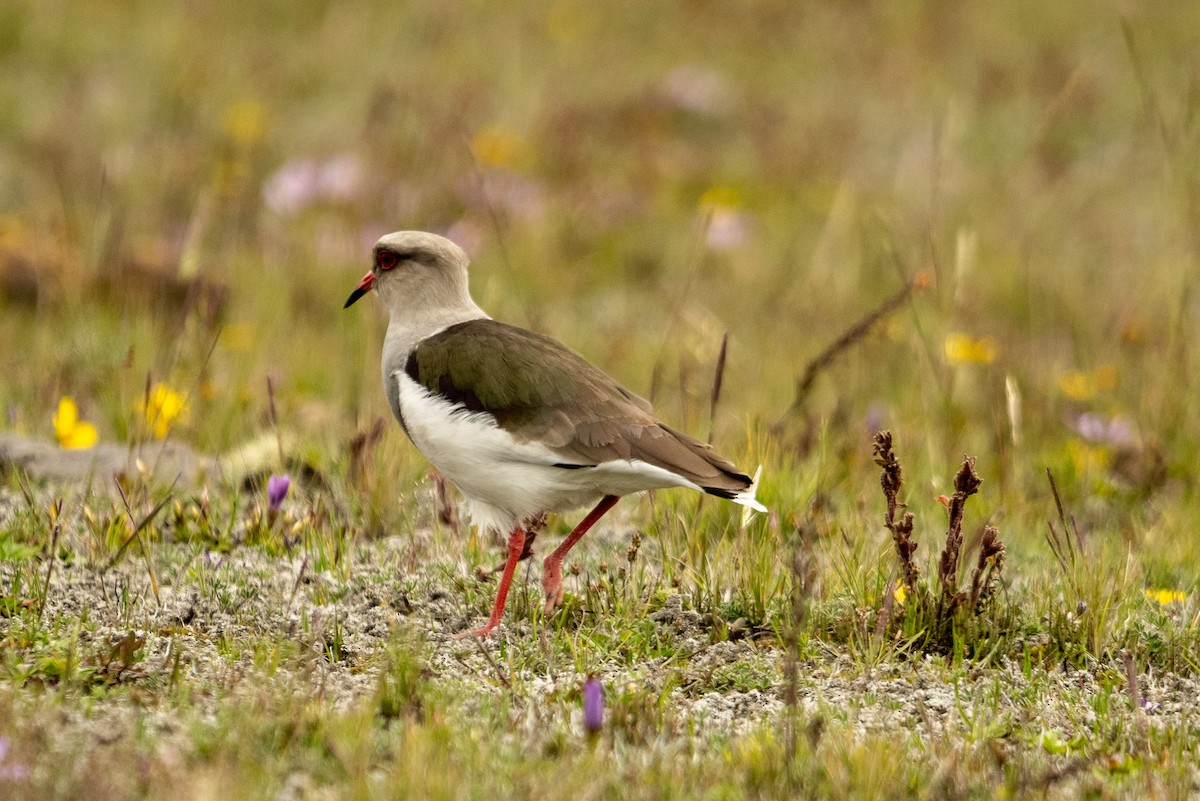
(108, 652)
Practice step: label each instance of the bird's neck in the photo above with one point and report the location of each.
(407, 329)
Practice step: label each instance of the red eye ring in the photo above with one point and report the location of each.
(386, 260)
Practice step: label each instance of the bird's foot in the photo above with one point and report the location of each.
(480, 632)
(552, 586)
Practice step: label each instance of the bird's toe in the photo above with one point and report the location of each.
(480, 632)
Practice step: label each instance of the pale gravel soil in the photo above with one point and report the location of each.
(258, 603)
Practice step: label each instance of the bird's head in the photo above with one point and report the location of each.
(416, 270)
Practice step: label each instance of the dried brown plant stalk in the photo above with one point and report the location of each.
(966, 484)
(987, 568)
(985, 578)
(891, 479)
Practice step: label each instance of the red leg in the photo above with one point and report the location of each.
(552, 566)
(516, 544)
(530, 535)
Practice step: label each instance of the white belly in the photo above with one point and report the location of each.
(509, 481)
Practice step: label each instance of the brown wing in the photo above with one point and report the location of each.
(538, 389)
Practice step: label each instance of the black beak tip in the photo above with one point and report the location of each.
(354, 296)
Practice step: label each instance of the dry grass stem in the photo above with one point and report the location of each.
(854, 333)
(985, 578)
(52, 556)
(718, 380)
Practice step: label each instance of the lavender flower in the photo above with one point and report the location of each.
(277, 490)
(728, 229)
(1117, 431)
(593, 705)
(302, 183)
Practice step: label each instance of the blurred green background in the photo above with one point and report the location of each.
(188, 191)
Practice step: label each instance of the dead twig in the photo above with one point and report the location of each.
(492, 662)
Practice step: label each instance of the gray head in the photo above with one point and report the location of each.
(416, 270)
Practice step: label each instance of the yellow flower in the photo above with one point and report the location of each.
(962, 349)
(246, 122)
(163, 408)
(900, 593)
(720, 197)
(1165, 597)
(497, 147)
(1079, 385)
(72, 433)
(1086, 458)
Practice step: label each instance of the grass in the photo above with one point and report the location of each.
(188, 193)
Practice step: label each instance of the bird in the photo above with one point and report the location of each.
(521, 424)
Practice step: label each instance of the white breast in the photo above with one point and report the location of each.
(507, 480)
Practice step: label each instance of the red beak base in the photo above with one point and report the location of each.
(364, 286)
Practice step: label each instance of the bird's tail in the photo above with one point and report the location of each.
(746, 497)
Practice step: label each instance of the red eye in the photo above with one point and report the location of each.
(386, 260)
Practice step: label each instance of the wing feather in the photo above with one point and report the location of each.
(538, 389)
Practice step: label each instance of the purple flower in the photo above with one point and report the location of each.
(277, 490)
(728, 228)
(593, 705)
(302, 183)
(1117, 431)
